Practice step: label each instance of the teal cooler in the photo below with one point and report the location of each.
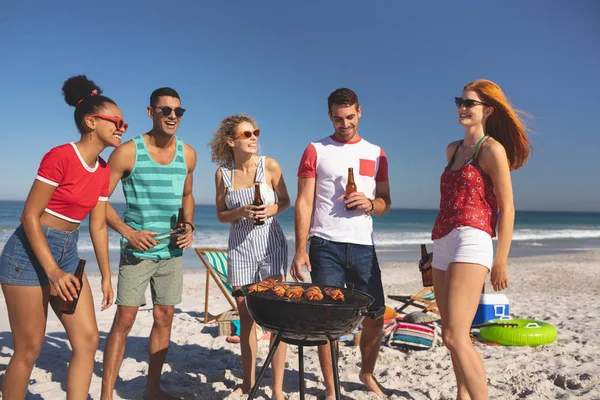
(491, 306)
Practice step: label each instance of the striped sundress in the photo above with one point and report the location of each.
(254, 252)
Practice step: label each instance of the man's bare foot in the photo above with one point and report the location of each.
(241, 390)
(159, 395)
(372, 385)
(277, 396)
(329, 395)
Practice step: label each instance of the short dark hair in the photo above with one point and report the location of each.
(85, 96)
(160, 92)
(341, 97)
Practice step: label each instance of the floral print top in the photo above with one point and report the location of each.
(467, 199)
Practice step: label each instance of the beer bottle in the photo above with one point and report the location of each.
(257, 202)
(179, 224)
(68, 306)
(423, 252)
(350, 186)
(425, 267)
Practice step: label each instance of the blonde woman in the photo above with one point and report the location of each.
(257, 247)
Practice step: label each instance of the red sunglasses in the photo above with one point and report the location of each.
(119, 123)
(247, 134)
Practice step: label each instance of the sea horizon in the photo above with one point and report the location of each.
(393, 207)
(397, 235)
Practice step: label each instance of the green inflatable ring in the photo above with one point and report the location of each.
(528, 333)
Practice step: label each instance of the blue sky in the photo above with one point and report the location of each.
(278, 61)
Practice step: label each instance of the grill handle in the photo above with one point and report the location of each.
(374, 314)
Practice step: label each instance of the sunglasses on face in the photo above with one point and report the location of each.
(166, 111)
(119, 123)
(468, 103)
(247, 134)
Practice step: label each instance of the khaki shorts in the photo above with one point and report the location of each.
(165, 278)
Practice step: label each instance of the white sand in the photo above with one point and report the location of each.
(563, 290)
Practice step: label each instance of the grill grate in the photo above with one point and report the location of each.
(352, 298)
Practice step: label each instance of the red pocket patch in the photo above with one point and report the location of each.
(367, 167)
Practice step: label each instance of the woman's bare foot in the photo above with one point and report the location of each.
(159, 395)
(372, 385)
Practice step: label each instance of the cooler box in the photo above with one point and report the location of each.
(491, 306)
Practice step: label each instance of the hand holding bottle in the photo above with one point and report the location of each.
(66, 285)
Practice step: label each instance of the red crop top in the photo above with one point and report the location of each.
(78, 187)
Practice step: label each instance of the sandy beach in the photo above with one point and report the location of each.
(563, 290)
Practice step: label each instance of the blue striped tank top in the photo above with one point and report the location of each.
(153, 193)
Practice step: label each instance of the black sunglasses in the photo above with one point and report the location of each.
(468, 103)
(166, 111)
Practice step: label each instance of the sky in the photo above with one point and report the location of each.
(279, 60)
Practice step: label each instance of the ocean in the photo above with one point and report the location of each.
(398, 234)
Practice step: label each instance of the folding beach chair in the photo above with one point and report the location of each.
(215, 261)
(425, 299)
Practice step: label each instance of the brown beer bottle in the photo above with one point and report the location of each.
(257, 202)
(180, 224)
(68, 306)
(425, 267)
(350, 186)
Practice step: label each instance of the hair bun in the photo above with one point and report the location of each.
(77, 88)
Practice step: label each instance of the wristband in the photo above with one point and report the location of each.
(191, 225)
(372, 207)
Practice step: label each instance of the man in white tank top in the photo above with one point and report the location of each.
(337, 233)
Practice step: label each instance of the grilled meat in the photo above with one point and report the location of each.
(313, 293)
(262, 286)
(257, 287)
(280, 289)
(268, 283)
(334, 293)
(294, 292)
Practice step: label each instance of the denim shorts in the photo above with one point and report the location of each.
(20, 267)
(336, 264)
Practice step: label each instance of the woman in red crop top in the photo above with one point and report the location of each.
(39, 259)
(474, 186)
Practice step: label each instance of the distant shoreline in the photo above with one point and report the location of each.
(393, 208)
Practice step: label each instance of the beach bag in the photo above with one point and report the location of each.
(411, 336)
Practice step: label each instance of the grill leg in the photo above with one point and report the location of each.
(265, 366)
(334, 362)
(301, 370)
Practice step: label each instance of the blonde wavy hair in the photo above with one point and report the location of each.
(220, 151)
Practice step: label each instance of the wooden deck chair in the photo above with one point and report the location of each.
(215, 261)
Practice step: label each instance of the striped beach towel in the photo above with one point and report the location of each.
(411, 336)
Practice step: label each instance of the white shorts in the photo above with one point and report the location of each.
(463, 245)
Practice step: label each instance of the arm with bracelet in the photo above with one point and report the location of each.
(382, 202)
(184, 241)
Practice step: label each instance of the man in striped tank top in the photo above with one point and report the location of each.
(155, 170)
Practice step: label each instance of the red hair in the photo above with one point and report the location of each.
(504, 123)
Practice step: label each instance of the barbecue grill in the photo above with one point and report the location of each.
(304, 322)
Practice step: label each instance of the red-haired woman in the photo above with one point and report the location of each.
(474, 186)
